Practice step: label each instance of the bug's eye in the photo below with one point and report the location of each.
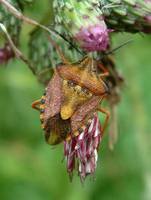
(71, 83)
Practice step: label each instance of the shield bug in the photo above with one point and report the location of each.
(72, 97)
(84, 89)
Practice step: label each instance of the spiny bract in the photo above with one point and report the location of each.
(83, 21)
(127, 15)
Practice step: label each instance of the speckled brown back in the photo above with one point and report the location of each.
(53, 97)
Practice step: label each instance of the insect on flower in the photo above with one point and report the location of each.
(71, 99)
(68, 112)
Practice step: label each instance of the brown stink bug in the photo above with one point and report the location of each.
(72, 97)
(84, 90)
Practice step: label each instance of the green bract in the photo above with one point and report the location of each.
(83, 22)
(127, 15)
(44, 56)
(12, 24)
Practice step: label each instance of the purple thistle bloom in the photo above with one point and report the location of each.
(6, 53)
(83, 21)
(148, 18)
(93, 38)
(81, 151)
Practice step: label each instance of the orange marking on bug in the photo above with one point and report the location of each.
(42, 126)
(42, 118)
(42, 106)
(83, 128)
(68, 138)
(76, 133)
(43, 97)
(89, 121)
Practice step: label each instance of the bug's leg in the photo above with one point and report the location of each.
(35, 105)
(107, 113)
(105, 71)
(113, 129)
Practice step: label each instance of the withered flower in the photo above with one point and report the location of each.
(81, 152)
(6, 53)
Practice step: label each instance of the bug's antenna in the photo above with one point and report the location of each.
(69, 42)
(116, 48)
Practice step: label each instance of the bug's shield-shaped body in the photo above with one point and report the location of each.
(72, 97)
(83, 91)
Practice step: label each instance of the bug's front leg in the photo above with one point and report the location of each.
(36, 104)
(107, 113)
(105, 71)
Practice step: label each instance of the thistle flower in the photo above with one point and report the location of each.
(129, 16)
(83, 22)
(81, 151)
(6, 53)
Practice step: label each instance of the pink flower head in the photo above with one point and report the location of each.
(148, 18)
(81, 151)
(6, 53)
(93, 38)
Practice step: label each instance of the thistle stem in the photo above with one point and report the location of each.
(17, 52)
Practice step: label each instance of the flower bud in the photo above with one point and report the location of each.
(83, 21)
(127, 15)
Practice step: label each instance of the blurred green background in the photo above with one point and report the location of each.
(31, 169)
